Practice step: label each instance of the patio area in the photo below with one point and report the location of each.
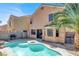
(67, 47)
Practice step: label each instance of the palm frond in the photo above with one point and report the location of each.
(68, 18)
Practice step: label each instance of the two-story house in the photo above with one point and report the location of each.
(19, 24)
(43, 16)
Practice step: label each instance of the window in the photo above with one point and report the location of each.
(24, 30)
(57, 33)
(30, 21)
(49, 32)
(33, 31)
(51, 16)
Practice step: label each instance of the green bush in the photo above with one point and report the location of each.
(3, 54)
(1, 44)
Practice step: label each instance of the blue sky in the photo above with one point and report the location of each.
(17, 9)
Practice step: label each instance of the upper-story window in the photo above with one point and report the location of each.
(30, 21)
(51, 17)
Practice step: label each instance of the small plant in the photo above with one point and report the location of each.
(1, 44)
(3, 54)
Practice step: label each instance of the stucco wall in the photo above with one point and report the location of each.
(6, 35)
(41, 18)
(60, 39)
(62, 33)
(19, 24)
(22, 23)
(50, 38)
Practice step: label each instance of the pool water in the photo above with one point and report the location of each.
(21, 48)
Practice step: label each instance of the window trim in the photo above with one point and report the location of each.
(33, 33)
(52, 13)
(50, 32)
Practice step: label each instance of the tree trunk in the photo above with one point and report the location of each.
(76, 40)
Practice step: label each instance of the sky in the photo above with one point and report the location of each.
(17, 9)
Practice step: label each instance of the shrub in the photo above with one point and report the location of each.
(3, 54)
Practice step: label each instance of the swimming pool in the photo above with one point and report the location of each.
(21, 48)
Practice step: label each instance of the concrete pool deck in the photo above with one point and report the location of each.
(62, 51)
(7, 51)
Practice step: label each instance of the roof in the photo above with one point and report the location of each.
(54, 4)
(57, 5)
(20, 16)
(17, 17)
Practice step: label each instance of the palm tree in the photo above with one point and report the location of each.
(69, 18)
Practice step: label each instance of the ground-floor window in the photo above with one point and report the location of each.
(39, 33)
(49, 32)
(33, 31)
(24, 30)
(57, 33)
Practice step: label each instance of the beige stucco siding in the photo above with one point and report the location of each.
(19, 24)
(51, 38)
(60, 39)
(62, 33)
(41, 18)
